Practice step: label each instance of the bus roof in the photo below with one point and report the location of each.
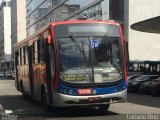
(61, 23)
(83, 21)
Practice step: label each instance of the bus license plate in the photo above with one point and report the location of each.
(94, 99)
(84, 91)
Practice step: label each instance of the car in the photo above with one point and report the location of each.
(145, 87)
(155, 87)
(131, 77)
(13, 74)
(134, 85)
(8, 74)
(1, 74)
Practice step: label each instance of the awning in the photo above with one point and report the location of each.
(151, 25)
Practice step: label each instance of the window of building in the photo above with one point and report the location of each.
(117, 9)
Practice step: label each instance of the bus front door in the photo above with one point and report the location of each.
(50, 69)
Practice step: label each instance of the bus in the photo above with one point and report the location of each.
(73, 63)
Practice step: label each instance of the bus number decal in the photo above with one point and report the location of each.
(94, 43)
(84, 91)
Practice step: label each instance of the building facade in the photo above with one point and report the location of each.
(5, 35)
(41, 12)
(18, 22)
(141, 46)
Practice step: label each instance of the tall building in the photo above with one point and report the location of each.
(5, 35)
(41, 12)
(141, 46)
(18, 22)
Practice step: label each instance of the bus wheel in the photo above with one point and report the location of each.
(45, 101)
(104, 108)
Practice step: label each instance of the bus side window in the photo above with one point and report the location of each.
(35, 52)
(38, 51)
(20, 57)
(33, 60)
(17, 57)
(42, 50)
(26, 49)
(24, 55)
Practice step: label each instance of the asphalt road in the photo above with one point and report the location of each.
(138, 106)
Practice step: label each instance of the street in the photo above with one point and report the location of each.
(26, 109)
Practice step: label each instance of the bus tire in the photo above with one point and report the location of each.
(104, 108)
(45, 104)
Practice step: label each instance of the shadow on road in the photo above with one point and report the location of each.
(26, 107)
(146, 100)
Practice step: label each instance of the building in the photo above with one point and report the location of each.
(18, 22)
(45, 11)
(142, 46)
(5, 35)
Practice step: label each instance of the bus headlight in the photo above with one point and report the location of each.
(66, 91)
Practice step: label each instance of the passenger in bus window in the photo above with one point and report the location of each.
(101, 54)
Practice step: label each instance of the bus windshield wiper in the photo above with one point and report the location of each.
(90, 56)
(82, 51)
(78, 46)
(75, 41)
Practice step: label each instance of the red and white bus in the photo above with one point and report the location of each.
(73, 63)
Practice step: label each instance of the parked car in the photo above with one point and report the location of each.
(13, 74)
(131, 77)
(155, 86)
(1, 74)
(145, 87)
(8, 74)
(134, 85)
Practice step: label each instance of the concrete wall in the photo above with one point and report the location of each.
(142, 46)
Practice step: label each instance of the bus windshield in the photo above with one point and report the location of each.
(90, 59)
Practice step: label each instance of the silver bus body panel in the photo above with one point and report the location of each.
(60, 100)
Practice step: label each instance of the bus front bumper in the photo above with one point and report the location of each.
(62, 100)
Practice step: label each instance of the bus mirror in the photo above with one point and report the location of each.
(49, 39)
